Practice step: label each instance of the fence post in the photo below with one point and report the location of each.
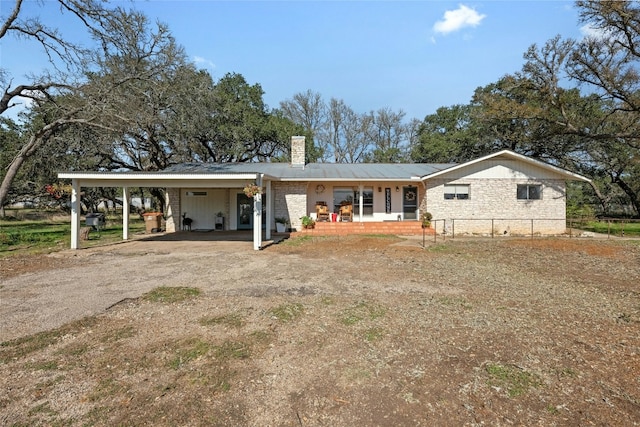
(570, 227)
(492, 228)
(532, 228)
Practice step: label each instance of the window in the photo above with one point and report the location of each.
(367, 202)
(529, 192)
(342, 196)
(457, 191)
(349, 196)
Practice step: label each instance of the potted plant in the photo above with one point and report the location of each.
(219, 221)
(308, 222)
(281, 224)
(426, 219)
(251, 190)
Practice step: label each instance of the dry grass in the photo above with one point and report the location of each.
(543, 332)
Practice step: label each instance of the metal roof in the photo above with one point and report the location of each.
(326, 172)
(316, 171)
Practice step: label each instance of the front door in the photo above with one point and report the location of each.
(409, 202)
(245, 212)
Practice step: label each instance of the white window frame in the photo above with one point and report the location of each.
(529, 187)
(457, 191)
(367, 207)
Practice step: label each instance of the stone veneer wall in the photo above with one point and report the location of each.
(290, 201)
(496, 199)
(298, 151)
(172, 210)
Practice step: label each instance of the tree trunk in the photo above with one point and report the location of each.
(35, 141)
(12, 171)
(25, 152)
(633, 196)
(604, 203)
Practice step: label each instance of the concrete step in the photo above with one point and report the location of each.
(401, 228)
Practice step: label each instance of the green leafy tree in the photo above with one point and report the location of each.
(449, 136)
(592, 128)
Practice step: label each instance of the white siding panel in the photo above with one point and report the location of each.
(201, 207)
(502, 169)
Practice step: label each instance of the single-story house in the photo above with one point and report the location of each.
(504, 192)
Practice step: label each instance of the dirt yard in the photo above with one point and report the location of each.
(349, 331)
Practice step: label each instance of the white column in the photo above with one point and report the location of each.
(75, 214)
(125, 213)
(269, 209)
(360, 202)
(257, 216)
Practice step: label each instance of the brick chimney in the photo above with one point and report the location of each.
(297, 151)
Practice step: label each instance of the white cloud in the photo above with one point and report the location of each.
(20, 105)
(203, 61)
(588, 31)
(458, 19)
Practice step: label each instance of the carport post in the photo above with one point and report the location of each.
(125, 213)
(75, 214)
(269, 209)
(257, 216)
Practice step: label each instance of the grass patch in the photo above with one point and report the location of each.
(171, 294)
(297, 241)
(454, 301)
(373, 334)
(615, 228)
(191, 350)
(380, 236)
(260, 337)
(326, 300)
(287, 312)
(50, 365)
(440, 248)
(107, 388)
(49, 234)
(234, 320)
(74, 350)
(43, 235)
(119, 334)
(232, 350)
(23, 346)
(42, 409)
(513, 380)
(361, 311)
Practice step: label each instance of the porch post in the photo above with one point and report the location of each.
(257, 216)
(269, 211)
(75, 214)
(360, 202)
(125, 213)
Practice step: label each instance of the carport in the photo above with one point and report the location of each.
(128, 180)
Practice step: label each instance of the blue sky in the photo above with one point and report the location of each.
(414, 56)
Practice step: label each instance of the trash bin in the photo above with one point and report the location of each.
(94, 220)
(152, 221)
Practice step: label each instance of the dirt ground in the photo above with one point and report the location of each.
(342, 331)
